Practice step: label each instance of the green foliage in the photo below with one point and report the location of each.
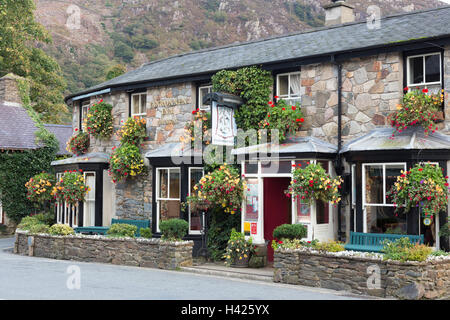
(27, 222)
(219, 231)
(79, 143)
(71, 188)
(47, 218)
(174, 229)
(146, 233)
(18, 30)
(290, 231)
(39, 228)
(199, 44)
(403, 250)
(133, 131)
(397, 230)
(39, 188)
(445, 229)
(123, 51)
(439, 253)
(61, 230)
(219, 16)
(122, 230)
(115, 71)
(238, 248)
(330, 246)
(252, 84)
(142, 42)
(126, 162)
(306, 14)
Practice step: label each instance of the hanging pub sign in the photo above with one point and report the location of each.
(223, 106)
(427, 221)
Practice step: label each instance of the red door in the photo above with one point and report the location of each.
(277, 208)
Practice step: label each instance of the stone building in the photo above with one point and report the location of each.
(348, 76)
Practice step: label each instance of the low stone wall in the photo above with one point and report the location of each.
(151, 253)
(361, 275)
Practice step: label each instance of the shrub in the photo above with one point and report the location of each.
(146, 233)
(403, 250)
(60, 230)
(290, 231)
(79, 143)
(173, 229)
(122, 230)
(330, 246)
(39, 228)
(47, 218)
(27, 222)
(445, 229)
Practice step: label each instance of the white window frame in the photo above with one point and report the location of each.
(288, 97)
(85, 203)
(384, 204)
(141, 112)
(84, 112)
(158, 196)
(189, 188)
(424, 83)
(201, 106)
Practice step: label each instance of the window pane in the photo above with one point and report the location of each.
(163, 185)
(303, 212)
(174, 184)
(276, 167)
(322, 212)
(251, 209)
(416, 70)
(295, 85)
(143, 103)
(384, 220)
(196, 216)
(374, 184)
(324, 165)
(283, 85)
(251, 168)
(135, 107)
(392, 172)
(169, 209)
(433, 68)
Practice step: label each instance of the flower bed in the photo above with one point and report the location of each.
(151, 253)
(357, 272)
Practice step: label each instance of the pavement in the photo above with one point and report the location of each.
(32, 278)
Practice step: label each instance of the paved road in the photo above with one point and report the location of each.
(32, 278)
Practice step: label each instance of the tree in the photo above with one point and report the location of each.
(115, 71)
(20, 38)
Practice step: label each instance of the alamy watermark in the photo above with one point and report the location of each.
(73, 22)
(74, 279)
(374, 279)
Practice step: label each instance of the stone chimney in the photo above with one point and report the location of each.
(338, 12)
(9, 90)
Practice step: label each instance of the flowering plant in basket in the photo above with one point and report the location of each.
(79, 143)
(99, 121)
(313, 183)
(71, 188)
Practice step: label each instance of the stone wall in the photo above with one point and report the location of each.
(151, 253)
(407, 280)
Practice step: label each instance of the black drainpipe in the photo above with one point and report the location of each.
(338, 161)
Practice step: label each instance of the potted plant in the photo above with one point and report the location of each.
(418, 107)
(239, 250)
(78, 144)
(99, 120)
(71, 188)
(313, 183)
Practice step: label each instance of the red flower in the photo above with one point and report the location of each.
(283, 109)
(425, 90)
(406, 89)
(276, 97)
(293, 108)
(420, 169)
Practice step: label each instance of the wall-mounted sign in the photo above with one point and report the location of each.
(169, 102)
(224, 127)
(427, 221)
(247, 228)
(254, 228)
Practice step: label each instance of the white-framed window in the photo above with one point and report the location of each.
(379, 215)
(168, 201)
(89, 200)
(202, 92)
(289, 86)
(84, 111)
(139, 104)
(424, 70)
(66, 213)
(195, 217)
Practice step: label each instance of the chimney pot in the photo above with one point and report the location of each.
(9, 90)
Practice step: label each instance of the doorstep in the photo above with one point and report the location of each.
(219, 269)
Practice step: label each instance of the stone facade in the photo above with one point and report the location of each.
(151, 253)
(402, 280)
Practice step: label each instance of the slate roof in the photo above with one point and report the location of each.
(16, 128)
(174, 149)
(396, 29)
(290, 146)
(62, 133)
(94, 157)
(413, 138)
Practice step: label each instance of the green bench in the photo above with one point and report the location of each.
(102, 230)
(372, 242)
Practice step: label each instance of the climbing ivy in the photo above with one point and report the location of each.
(17, 167)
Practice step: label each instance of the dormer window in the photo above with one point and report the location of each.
(289, 87)
(424, 70)
(139, 104)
